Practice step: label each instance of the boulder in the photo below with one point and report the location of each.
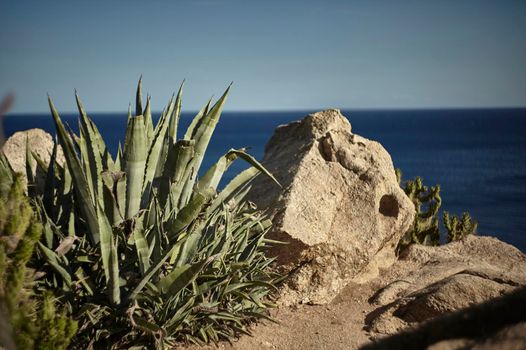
(341, 210)
(428, 282)
(40, 142)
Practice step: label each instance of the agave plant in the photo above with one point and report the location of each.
(143, 250)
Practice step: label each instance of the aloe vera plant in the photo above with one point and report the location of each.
(143, 250)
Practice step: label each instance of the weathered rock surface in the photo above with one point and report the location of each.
(498, 323)
(40, 142)
(340, 210)
(431, 281)
(511, 337)
(495, 324)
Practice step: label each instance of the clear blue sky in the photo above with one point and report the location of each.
(280, 54)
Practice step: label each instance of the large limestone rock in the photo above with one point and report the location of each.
(40, 142)
(428, 282)
(340, 210)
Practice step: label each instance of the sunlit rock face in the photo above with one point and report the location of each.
(341, 209)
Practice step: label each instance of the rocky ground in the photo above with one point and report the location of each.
(425, 284)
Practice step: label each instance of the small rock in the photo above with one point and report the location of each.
(267, 344)
(40, 142)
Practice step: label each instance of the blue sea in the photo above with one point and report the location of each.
(478, 156)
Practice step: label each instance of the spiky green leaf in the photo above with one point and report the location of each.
(81, 187)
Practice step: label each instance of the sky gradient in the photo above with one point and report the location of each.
(279, 54)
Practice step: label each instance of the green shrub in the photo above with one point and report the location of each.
(28, 320)
(425, 229)
(143, 251)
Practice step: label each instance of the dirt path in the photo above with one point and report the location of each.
(339, 325)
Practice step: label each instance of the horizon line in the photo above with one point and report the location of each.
(291, 110)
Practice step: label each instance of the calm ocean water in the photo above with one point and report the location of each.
(477, 156)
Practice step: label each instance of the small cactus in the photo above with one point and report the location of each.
(425, 229)
(398, 174)
(427, 202)
(458, 228)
